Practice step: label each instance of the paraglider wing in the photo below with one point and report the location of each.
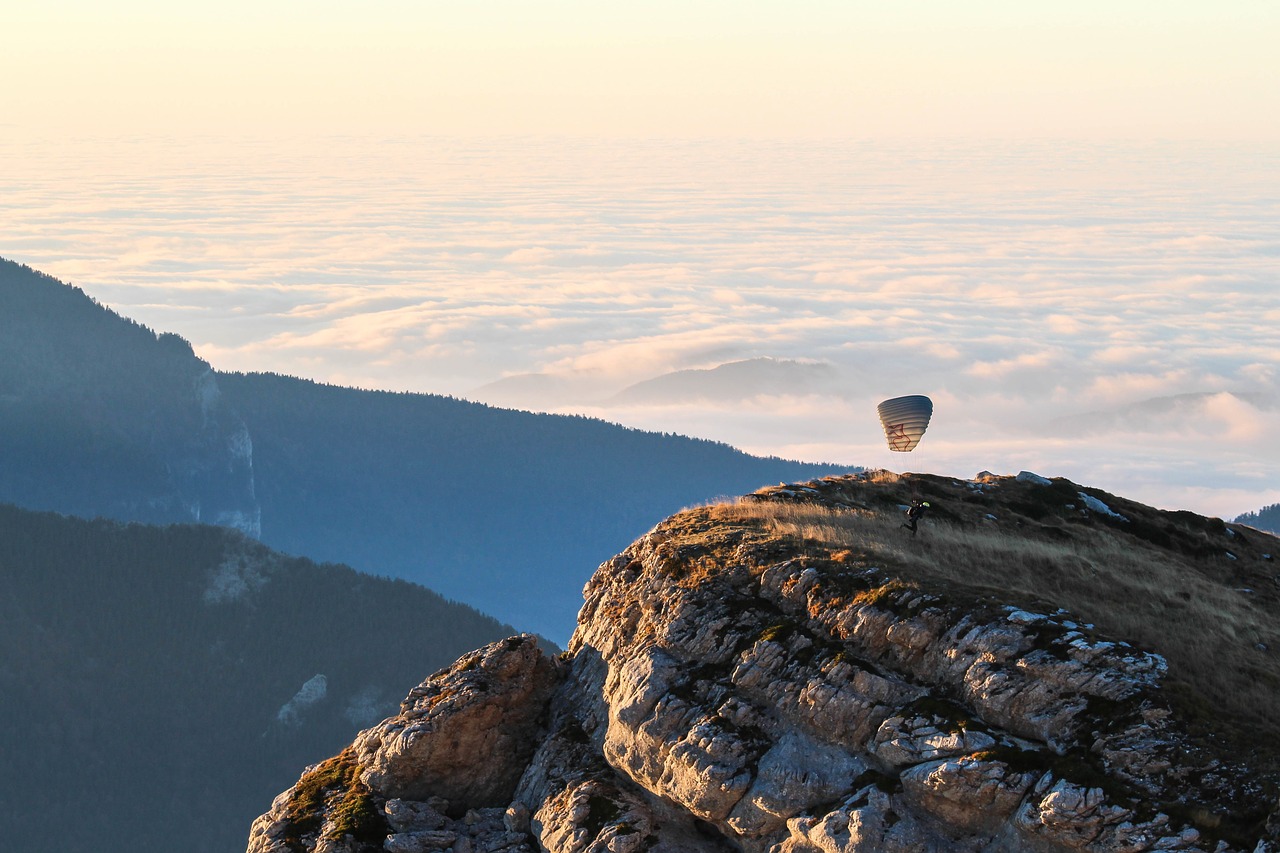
(904, 420)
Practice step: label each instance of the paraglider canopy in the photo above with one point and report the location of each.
(904, 420)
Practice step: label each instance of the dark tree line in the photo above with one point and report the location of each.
(1267, 518)
(146, 706)
(507, 510)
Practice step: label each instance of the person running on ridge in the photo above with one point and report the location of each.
(914, 512)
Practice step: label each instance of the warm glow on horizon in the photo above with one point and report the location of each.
(1141, 69)
(1102, 311)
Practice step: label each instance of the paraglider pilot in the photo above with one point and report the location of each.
(914, 512)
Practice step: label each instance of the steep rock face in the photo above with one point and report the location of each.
(732, 689)
(441, 770)
(102, 416)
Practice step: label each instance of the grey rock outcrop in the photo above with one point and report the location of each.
(437, 776)
(490, 704)
(728, 690)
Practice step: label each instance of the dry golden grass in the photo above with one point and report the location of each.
(1183, 606)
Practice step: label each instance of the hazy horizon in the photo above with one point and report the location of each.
(1023, 286)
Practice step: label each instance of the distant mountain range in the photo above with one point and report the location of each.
(507, 511)
(732, 382)
(157, 683)
(1153, 413)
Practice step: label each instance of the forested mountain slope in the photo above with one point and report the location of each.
(507, 511)
(156, 683)
(100, 416)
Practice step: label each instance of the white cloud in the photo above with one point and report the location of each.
(533, 256)
(1006, 366)
(1015, 286)
(1064, 324)
(1263, 375)
(1127, 355)
(1239, 422)
(1132, 387)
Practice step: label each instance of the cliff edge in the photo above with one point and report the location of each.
(1041, 667)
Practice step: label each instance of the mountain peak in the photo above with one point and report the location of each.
(1040, 666)
(731, 382)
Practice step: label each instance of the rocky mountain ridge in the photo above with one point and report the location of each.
(733, 688)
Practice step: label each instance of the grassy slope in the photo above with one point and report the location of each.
(1196, 590)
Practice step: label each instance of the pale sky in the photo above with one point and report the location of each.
(1083, 69)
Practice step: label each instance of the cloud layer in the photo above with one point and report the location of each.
(1015, 285)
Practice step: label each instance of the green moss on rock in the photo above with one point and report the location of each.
(333, 789)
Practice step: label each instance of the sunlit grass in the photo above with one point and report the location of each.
(1153, 597)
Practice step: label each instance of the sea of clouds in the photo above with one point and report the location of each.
(1105, 312)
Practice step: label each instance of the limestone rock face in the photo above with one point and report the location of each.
(439, 775)
(731, 690)
(466, 736)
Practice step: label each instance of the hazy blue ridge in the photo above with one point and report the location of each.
(737, 380)
(101, 416)
(152, 678)
(507, 511)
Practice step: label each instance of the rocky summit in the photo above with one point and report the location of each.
(1039, 667)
